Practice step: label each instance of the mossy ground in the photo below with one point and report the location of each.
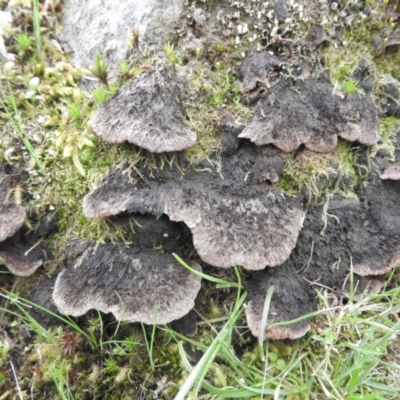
(42, 101)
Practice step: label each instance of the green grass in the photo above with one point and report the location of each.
(344, 356)
(15, 120)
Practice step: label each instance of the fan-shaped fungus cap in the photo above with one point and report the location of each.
(23, 253)
(360, 114)
(19, 265)
(393, 40)
(392, 171)
(12, 215)
(306, 112)
(11, 220)
(146, 113)
(252, 227)
(135, 285)
(288, 117)
(290, 299)
(363, 286)
(318, 37)
(256, 68)
(252, 231)
(265, 162)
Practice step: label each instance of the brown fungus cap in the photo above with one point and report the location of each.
(318, 37)
(363, 286)
(24, 252)
(296, 112)
(146, 113)
(257, 69)
(290, 299)
(341, 240)
(11, 220)
(19, 265)
(392, 171)
(12, 215)
(249, 225)
(135, 285)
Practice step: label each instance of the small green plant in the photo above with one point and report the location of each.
(99, 69)
(222, 340)
(23, 305)
(133, 41)
(24, 44)
(124, 68)
(102, 94)
(170, 52)
(349, 86)
(60, 375)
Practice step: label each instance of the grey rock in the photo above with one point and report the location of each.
(105, 26)
(5, 23)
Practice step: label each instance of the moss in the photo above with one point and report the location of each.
(322, 174)
(387, 132)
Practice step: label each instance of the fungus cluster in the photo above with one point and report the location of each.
(235, 214)
(249, 225)
(298, 111)
(20, 250)
(139, 283)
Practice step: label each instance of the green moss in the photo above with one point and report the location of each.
(387, 132)
(322, 174)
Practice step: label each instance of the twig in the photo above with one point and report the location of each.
(16, 381)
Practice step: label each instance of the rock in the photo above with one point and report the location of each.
(5, 23)
(102, 26)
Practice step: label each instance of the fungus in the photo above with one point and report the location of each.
(296, 112)
(136, 285)
(290, 299)
(146, 113)
(337, 240)
(257, 69)
(392, 171)
(12, 215)
(19, 265)
(361, 118)
(264, 163)
(363, 287)
(41, 295)
(23, 253)
(11, 220)
(392, 41)
(318, 37)
(293, 113)
(233, 223)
